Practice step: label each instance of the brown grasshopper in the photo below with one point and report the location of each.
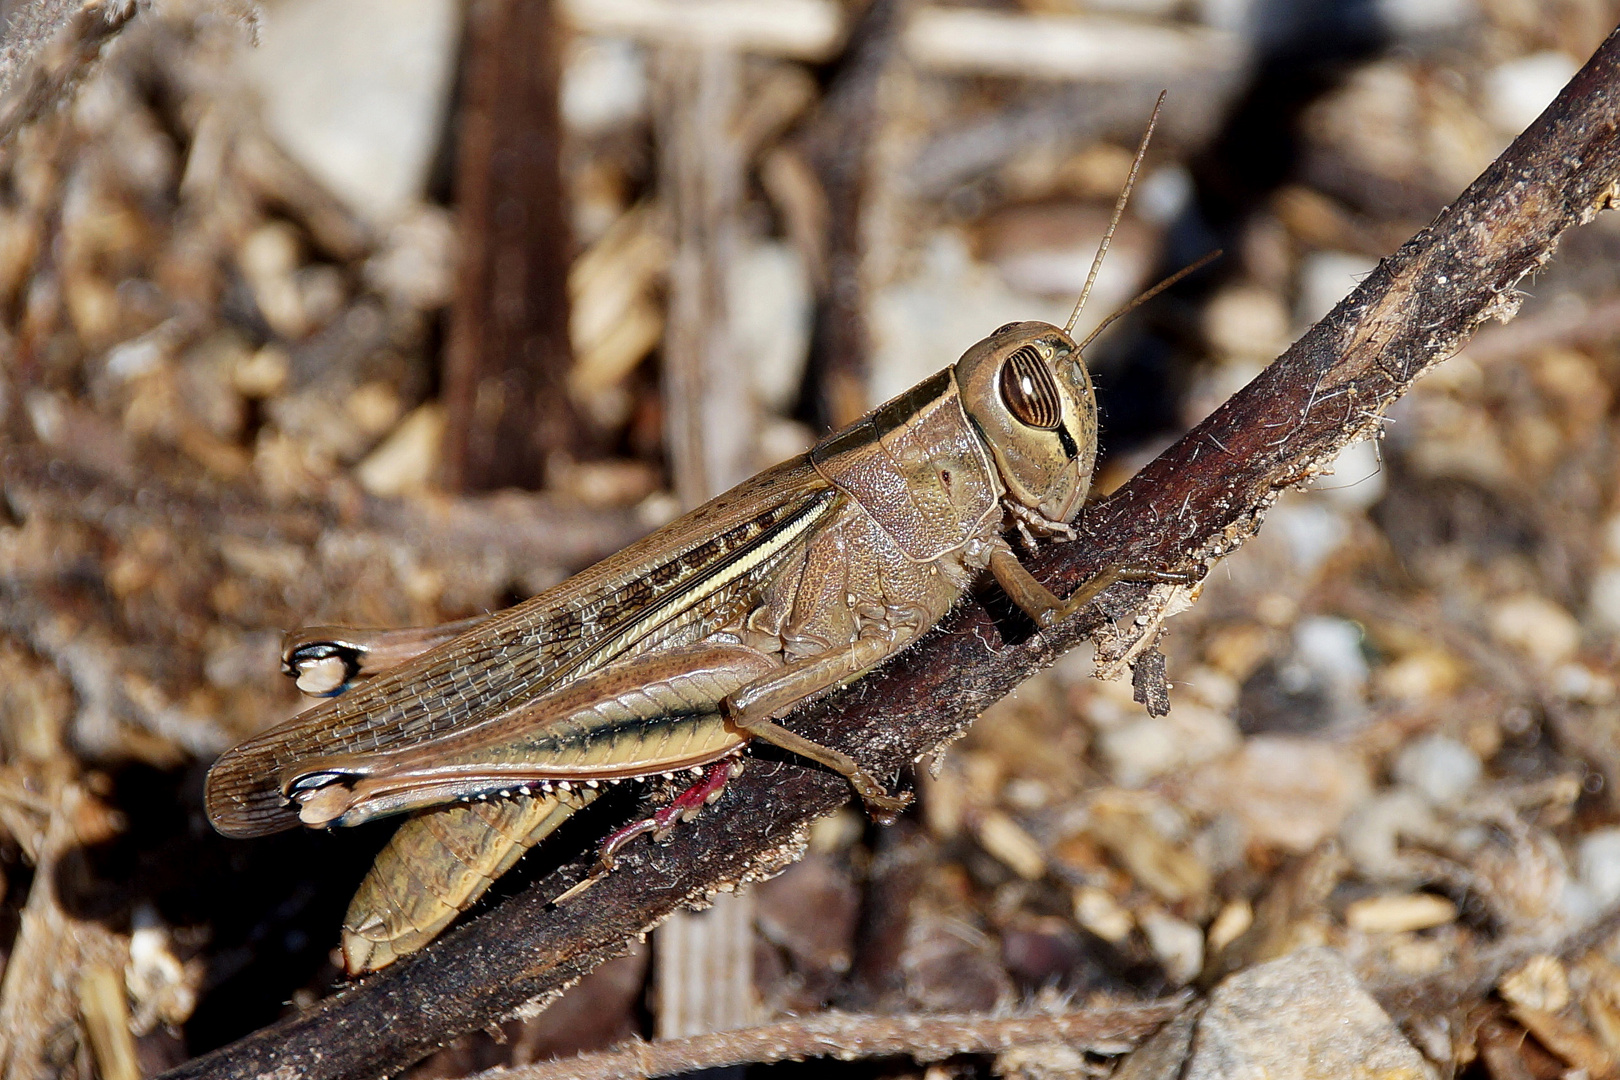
(669, 657)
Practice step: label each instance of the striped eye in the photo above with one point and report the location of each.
(1029, 390)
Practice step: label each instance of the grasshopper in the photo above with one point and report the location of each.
(668, 658)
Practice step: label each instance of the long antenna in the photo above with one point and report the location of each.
(1119, 211)
(1150, 294)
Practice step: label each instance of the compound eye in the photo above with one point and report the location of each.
(1030, 392)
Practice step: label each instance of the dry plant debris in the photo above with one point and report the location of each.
(1387, 773)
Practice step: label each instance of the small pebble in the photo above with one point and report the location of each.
(1372, 834)
(1233, 922)
(1517, 91)
(1439, 767)
(1603, 597)
(1325, 278)
(1425, 674)
(1246, 321)
(1577, 682)
(1399, 914)
(1177, 944)
(1331, 648)
(1165, 192)
(1002, 837)
(1540, 984)
(1311, 532)
(407, 459)
(1098, 911)
(771, 308)
(1357, 478)
(1599, 861)
(1425, 16)
(1155, 745)
(604, 83)
(1290, 793)
(1535, 626)
(262, 373)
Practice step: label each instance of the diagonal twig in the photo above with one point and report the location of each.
(1196, 502)
(46, 47)
(849, 1036)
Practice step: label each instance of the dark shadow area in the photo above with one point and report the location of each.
(1306, 50)
(248, 907)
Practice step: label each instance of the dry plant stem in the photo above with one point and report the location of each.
(1462, 985)
(1201, 497)
(704, 961)
(839, 144)
(39, 993)
(47, 47)
(535, 531)
(851, 1036)
(711, 414)
(124, 677)
(508, 352)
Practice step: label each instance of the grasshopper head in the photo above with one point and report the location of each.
(1027, 390)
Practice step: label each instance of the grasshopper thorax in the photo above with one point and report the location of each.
(1027, 391)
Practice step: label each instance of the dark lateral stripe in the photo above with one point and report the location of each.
(1067, 440)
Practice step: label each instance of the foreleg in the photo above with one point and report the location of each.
(1049, 609)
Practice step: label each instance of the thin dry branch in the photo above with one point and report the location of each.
(508, 353)
(46, 46)
(1195, 503)
(849, 1036)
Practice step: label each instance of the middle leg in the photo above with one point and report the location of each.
(753, 710)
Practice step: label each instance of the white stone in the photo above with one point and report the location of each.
(1536, 627)
(1603, 597)
(1424, 16)
(1303, 1016)
(1438, 767)
(604, 84)
(1518, 90)
(1163, 194)
(771, 310)
(1325, 278)
(356, 90)
(1289, 793)
(1373, 832)
(1177, 944)
(1331, 648)
(1599, 860)
(1155, 745)
(1093, 48)
(1247, 322)
(1356, 481)
(417, 262)
(1310, 530)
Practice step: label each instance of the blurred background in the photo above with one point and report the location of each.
(389, 312)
